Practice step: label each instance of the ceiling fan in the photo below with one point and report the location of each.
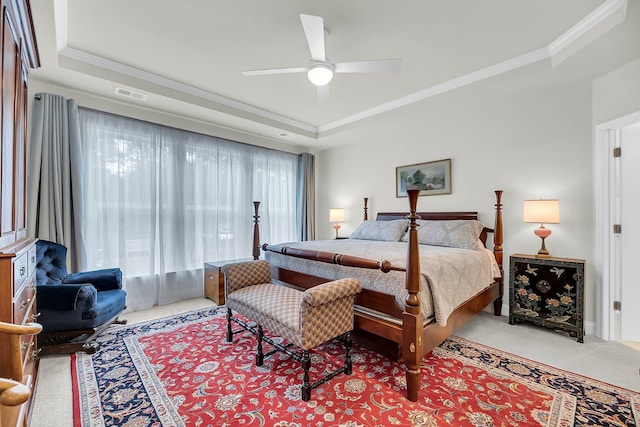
(320, 69)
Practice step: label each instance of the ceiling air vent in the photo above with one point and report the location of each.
(130, 93)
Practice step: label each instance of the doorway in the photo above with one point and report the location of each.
(617, 201)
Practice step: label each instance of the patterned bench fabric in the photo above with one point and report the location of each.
(331, 314)
(245, 274)
(305, 319)
(269, 302)
(281, 310)
(331, 291)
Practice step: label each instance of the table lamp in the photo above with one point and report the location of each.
(542, 212)
(336, 215)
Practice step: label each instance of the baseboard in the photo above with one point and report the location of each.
(590, 328)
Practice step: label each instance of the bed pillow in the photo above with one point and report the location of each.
(463, 234)
(388, 231)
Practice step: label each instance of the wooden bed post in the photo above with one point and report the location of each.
(497, 251)
(366, 215)
(256, 232)
(412, 319)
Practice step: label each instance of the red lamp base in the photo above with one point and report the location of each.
(542, 233)
(337, 227)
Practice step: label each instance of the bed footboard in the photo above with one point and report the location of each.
(402, 325)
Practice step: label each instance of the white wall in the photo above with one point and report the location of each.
(617, 94)
(527, 136)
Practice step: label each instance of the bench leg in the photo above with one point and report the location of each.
(347, 358)
(260, 354)
(306, 387)
(229, 332)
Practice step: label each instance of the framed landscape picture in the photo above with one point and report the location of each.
(430, 178)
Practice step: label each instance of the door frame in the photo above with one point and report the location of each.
(607, 244)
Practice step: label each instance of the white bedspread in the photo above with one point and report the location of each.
(449, 276)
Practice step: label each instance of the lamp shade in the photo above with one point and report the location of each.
(336, 215)
(542, 211)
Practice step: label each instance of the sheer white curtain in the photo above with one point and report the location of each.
(159, 202)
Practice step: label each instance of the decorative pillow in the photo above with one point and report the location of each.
(388, 231)
(463, 234)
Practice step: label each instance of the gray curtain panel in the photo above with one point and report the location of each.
(54, 177)
(306, 199)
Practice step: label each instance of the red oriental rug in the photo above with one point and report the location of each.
(180, 371)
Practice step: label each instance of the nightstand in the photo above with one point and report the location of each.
(214, 279)
(548, 292)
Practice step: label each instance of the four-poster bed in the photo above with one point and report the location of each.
(407, 329)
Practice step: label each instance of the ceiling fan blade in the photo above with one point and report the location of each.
(375, 66)
(323, 92)
(314, 30)
(274, 71)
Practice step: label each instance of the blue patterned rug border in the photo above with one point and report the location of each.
(142, 387)
(597, 395)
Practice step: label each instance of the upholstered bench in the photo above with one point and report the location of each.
(304, 319)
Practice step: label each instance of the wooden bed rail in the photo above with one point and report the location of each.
(333, 258)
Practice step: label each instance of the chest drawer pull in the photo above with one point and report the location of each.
(26, 345)
(23, 271)
(35, 353)
(35, 316)
(23, 305)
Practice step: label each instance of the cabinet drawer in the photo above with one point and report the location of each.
(31, 260)
(24, 302)
(214, 284)
(29, 352)
(20, 272)
(214, 279)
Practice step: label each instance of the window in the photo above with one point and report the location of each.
(159, 202)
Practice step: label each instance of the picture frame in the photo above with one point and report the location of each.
(431, 178)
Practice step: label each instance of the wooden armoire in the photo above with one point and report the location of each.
(17, 251)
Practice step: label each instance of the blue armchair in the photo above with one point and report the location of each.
(74, 308)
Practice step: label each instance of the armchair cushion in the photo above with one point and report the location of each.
(103, 280)
(67, 297)
(51, 268)
(107, 306)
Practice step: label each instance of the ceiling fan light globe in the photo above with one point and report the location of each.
(320, 75)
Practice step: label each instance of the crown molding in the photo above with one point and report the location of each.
(74, 57)
(589, 22)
